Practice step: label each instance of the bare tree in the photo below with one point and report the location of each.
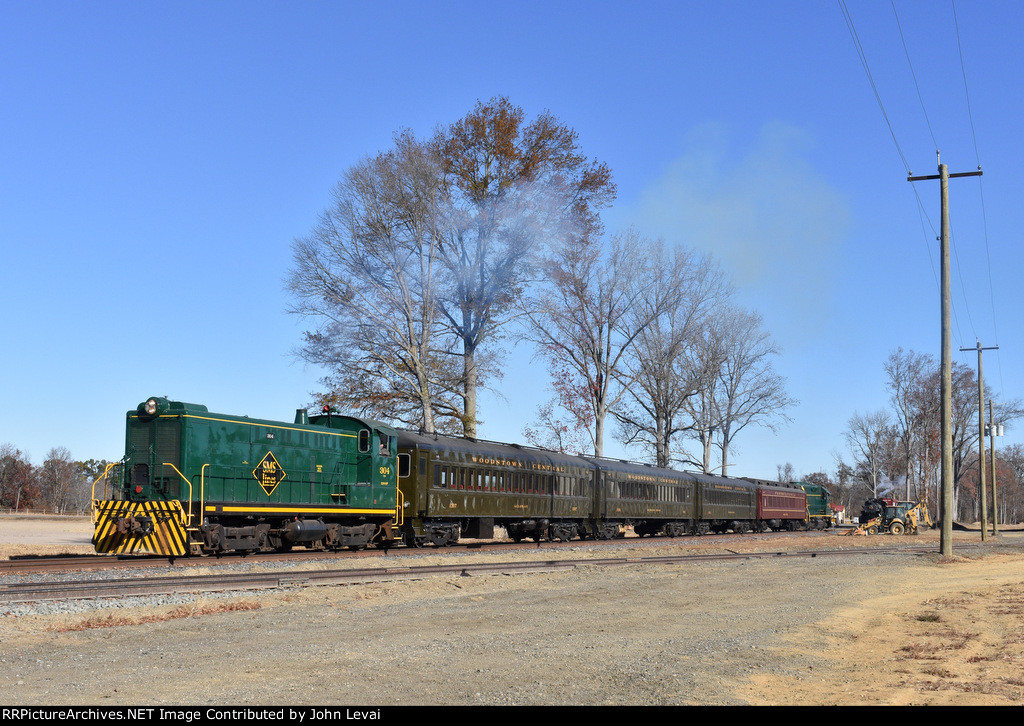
(740, 386)
(965, 433)
(588, 316)
(1011, 484)
(661, 368)
(557, 433)
(367, 275)
(91, 472)
(907, 374)
(869, 439)
(964, 395)
(910, 449)
(849, 489)
(703, 361)
(62, 482)
(749, 390)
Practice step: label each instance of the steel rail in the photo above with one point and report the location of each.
(43, 563)
(228, 582)
(70, 563)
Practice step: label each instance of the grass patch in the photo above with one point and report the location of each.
(114, 620)
(921, 651)
(958, 640)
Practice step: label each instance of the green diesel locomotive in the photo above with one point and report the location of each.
(195, 482)
(820, 514)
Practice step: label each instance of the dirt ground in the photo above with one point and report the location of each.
(922, 630)
(25, 535)
(954, 636)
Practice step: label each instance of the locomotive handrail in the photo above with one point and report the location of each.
(188, 520)
(103, 476)
(202, 492)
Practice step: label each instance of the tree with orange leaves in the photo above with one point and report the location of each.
(514, 187)
(417, 265)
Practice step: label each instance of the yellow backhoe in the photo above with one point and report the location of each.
(895, 518)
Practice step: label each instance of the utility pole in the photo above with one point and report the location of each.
(994, 431)
(946, 502)
(981, 441)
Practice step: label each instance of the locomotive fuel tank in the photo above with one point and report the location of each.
(304, 531)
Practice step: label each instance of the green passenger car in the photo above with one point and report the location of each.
(726, 504)
(192, 481)
(454, 488)
(652, 500)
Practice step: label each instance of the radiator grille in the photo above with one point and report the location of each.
(151, 445)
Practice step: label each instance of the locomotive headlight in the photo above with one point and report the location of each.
(151, 406)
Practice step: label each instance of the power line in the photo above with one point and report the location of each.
(920, 98)
(963, 69)
(924, 216)
(920, 204)
(963, 288)
(862, 55)
(981, 188)
(931, 132)
(871, 80)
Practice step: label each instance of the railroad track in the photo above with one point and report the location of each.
(235, 582)
(70, 563)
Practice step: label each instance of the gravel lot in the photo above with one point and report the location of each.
(870, 629)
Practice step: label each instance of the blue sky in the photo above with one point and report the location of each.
(158, 159)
